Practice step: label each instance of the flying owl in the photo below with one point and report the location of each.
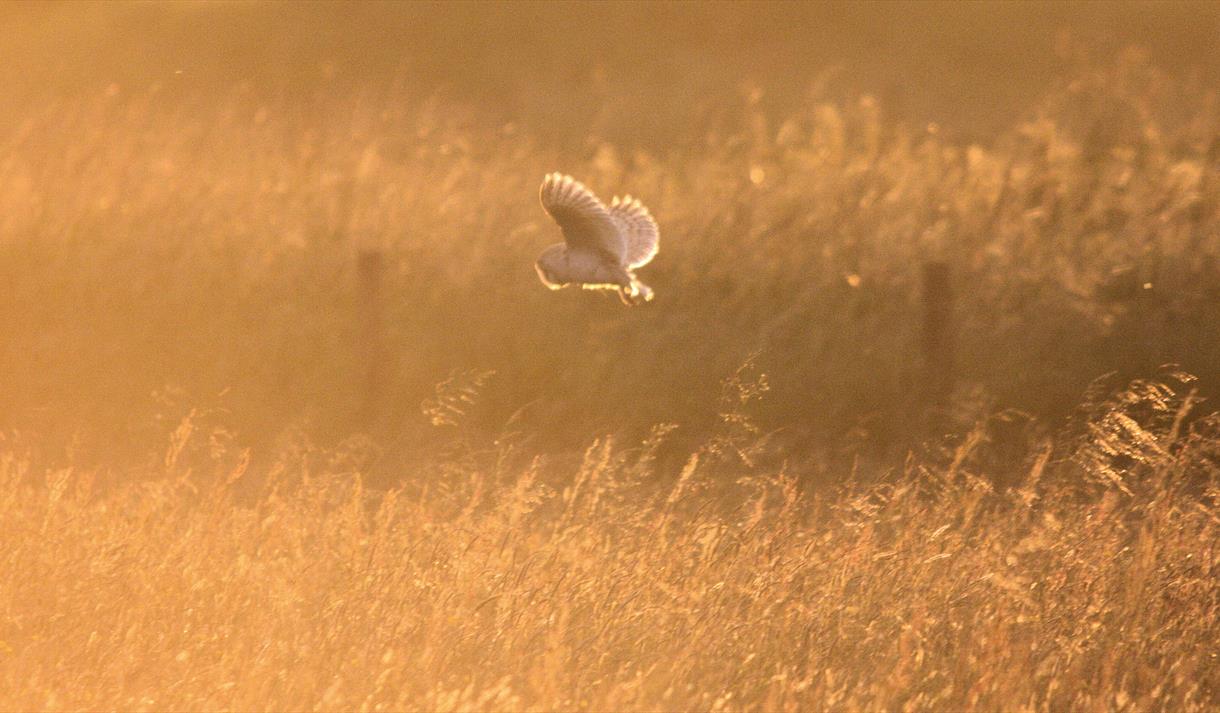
(601, 246)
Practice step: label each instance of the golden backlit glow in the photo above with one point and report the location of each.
(922, 416)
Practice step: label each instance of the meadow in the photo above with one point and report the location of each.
(485, 582)
(287, 421)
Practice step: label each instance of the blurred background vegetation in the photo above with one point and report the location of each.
(185, 189)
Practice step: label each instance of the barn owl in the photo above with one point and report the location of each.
(601, 246)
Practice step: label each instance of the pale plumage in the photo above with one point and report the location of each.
(602, 246)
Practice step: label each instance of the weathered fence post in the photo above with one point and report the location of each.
(369, 267)
(939, 367)
(370, 348)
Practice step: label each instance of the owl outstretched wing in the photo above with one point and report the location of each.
(639, 230)
(585, 221)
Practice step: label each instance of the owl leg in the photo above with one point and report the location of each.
(643, 292)
(635, 293)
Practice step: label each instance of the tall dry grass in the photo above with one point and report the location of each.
(744, 496)
(497, 582)
(202, 248)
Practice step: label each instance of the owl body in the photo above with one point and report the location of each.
(602, 246)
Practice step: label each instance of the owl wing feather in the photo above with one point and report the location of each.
(640, 231)
(584, 220)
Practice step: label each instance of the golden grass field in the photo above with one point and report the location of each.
(236, 475)
(484, 583)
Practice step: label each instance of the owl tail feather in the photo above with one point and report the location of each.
(635, 294)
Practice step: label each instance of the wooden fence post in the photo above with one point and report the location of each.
(939, 367)
(370, 264)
